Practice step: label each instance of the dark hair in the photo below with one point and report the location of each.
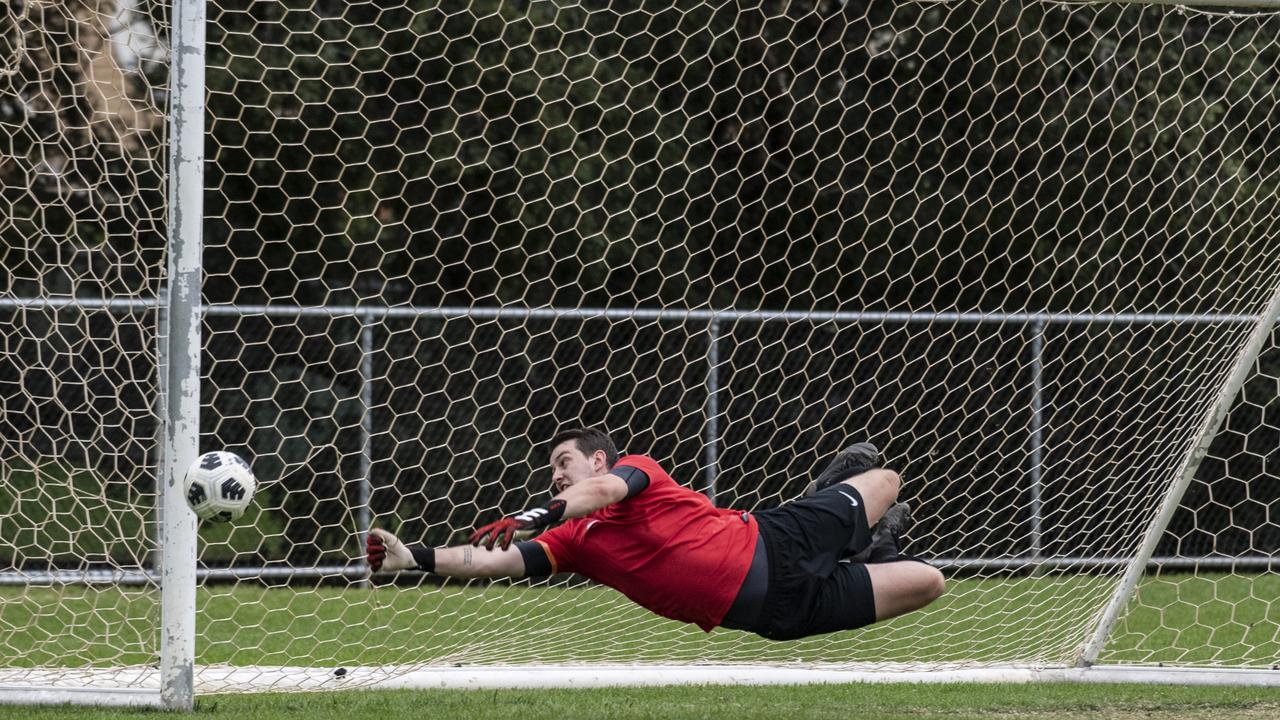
(588, 441)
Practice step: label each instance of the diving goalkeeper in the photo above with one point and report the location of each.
(828, 561)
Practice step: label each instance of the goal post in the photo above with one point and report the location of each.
(385, 251)
(101, 287)
(1214, 418)
(179, 354)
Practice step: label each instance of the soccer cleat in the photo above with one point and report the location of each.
(886, 537)
(853, 460)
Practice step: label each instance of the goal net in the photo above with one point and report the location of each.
(1023, 248)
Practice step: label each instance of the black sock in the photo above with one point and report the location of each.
(903, 557)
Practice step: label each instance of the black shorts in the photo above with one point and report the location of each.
(810, 591)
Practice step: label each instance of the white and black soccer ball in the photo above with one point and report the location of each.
(219, 486)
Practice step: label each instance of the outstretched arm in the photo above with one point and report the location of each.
(581, 498)
(465, 561)
(387, 552)
(588, 496)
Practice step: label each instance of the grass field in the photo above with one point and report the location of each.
(874, 702)
(1227, 619)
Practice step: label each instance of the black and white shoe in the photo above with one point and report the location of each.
(886, 536)
(853, 460)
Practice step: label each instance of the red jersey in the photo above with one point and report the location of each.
(667, 548)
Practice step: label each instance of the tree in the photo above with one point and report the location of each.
(82, 161)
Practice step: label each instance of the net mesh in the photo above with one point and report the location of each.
(1017, 247)
(82, 215)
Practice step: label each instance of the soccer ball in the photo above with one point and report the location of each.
(219, 486)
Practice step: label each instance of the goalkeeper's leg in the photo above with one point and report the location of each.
(852, 596)
(855, 596)
(900, 587)
(879, 490)
(820, 529)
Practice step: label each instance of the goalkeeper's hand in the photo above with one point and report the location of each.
(384, 551)
(522, 525)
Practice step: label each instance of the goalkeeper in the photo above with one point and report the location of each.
(828, 561)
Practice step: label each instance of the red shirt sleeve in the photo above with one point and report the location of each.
(559, 542)
(646, 464)
(637, 471)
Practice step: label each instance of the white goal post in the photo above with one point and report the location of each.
(384, 251)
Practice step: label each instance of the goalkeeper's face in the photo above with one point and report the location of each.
(570, 465)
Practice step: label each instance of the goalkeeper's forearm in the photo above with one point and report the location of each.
(589, 495)
(465, 561)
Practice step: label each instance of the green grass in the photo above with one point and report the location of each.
(1226, 619)
(1223, 619)
(1212, 619)
(878, 702)
(1202, 619)
(73, 514)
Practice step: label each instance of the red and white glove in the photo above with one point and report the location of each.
(384, 551)
(504, 531)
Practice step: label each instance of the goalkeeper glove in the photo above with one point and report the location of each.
(529, 521)
(384, 551)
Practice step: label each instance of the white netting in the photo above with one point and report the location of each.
(1019, 248)
(1225, 614)
(82, 208)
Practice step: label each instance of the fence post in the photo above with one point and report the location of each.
(365, 491)
(712, 436)
(1037, 437)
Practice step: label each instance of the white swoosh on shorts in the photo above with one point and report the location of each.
(852, 500)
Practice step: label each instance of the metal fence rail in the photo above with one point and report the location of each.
(1034, 322)
(359, 571)
(674, 314)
